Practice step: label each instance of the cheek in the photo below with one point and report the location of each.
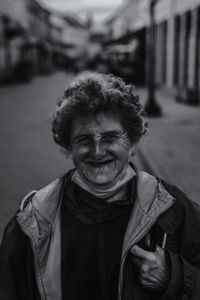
(79, 153)
(121, 149)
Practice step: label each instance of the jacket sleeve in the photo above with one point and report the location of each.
(16, 265)
(175, 285)
(185, 262)
(184, 281)
(190, 252)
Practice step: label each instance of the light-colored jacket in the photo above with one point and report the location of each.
(40, 219)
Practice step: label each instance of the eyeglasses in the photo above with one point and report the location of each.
(106, 138)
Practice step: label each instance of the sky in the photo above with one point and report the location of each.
(100, 9)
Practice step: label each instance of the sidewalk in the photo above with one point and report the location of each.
(171, 149)
(29, 157)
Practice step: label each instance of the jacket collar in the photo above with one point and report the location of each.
(43, 204)
(39, 208)
(151, 202)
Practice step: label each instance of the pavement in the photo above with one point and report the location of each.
(30, 159)
(171, 150)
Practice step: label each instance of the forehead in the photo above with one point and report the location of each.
(98, 124)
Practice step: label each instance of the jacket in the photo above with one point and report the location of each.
(157, 204)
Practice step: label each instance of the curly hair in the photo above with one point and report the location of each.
(92, 93)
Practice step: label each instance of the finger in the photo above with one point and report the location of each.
(139, 252)
(136, 261)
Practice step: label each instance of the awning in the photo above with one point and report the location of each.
(123, 48)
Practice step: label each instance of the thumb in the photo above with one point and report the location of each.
(139, 252)
(159, 249)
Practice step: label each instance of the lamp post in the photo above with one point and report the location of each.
(152, 108)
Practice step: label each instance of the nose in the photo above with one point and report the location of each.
(98, 149)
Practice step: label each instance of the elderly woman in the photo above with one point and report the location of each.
(104, 230)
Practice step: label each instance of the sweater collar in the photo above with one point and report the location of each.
(116, 191)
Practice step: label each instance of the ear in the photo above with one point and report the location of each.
(67, 153)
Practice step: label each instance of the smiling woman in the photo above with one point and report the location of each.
(98, 121)
(100, 231)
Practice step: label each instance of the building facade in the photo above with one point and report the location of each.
(35, 40)
(125, 42)
(177, 43)
(24, 40)
(38, 48)
(13, 26)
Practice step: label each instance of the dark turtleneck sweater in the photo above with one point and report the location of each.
(92, 239)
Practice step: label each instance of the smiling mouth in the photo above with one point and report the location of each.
(98, 164)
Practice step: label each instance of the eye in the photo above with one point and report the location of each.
(110, 138)
(83, 140)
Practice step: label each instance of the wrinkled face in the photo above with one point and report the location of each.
(100, 148)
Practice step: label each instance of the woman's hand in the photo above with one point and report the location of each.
(152, 268)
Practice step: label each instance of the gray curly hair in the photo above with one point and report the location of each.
(92, 93)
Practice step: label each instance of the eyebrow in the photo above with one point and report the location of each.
(110, 132)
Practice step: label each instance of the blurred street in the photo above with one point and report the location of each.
(171, 149)
(30, 159)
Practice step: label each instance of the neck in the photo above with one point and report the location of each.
(117, 190)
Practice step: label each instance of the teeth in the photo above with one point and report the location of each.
(100, 163)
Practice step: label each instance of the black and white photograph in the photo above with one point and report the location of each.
(100, 150)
